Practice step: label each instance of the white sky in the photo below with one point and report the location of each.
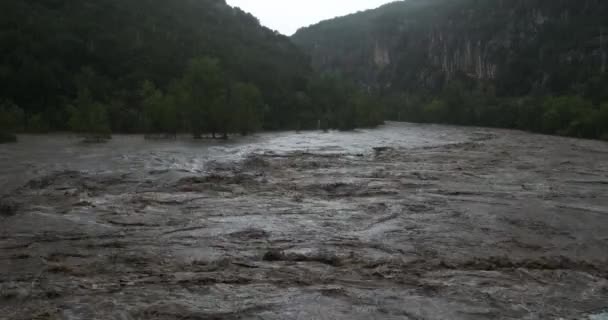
(286, 16)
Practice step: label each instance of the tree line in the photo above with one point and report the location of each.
(204, 101)
(539, 65)
(157, 67)
(574, 115)
(200, 66)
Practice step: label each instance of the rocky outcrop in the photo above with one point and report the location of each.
(520, 45)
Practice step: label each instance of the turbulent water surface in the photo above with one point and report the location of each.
(400, 222)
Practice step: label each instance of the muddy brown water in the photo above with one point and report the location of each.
(400, 222)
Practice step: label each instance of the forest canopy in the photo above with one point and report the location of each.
(538, 65)
(200, 66)
(149, 66)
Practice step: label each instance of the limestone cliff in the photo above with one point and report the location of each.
(521, 46)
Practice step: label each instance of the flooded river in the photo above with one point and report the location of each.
(400, 222)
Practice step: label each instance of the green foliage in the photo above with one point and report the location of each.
(563, 115)
(367, 110)
(89, 117)
(201, 94)
(303, 109)
(528, 64)
(160, 112)
(602, 120)
(246, 108)
(404, 107)
(521, 45)
(38, 123)
(340, 104)
(11, 118)
(211, 102)
(436, 111)
(51, 50)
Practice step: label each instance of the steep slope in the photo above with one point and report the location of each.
(519, 46)
(49, 48)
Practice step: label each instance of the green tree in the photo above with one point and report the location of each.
(52, 49)
(530, 113)
(89, 118)
(38, 123)
(202, 92)
(436, 111)
(159, 110)
(456, 108)
(602, 119)
(305, 115)
(246, 106)
(11, 118)
(331, 96)
(368, 112)
(561, 112)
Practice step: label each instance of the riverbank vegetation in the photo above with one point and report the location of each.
(540, 66)
(574, 115)
(11, 118)
(203, 67)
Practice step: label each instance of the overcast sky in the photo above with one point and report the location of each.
(286, 16)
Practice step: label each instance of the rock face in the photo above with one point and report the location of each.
(519, 45)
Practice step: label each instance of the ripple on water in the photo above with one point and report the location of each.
(599, 316)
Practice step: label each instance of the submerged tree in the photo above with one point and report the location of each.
(561, 113)
(305, 114)
(246, 108)
(436, 111)
(11, 117)
(200, 91)
(89, 118)
(159, 111)
(345, 105)
(368, 112)
(603, 121)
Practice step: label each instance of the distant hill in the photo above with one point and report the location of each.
(520, 47)
(50, 48)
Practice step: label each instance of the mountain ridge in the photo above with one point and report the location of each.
(50, 46)
(473, 38)
(536, 65)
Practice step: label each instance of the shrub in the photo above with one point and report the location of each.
(11, 118)
(89, 118)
